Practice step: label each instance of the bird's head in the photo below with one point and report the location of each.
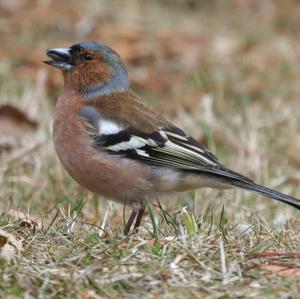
(88, 64)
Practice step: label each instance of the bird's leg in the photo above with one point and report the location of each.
(139, 219)
(130, 221)
(137, 212)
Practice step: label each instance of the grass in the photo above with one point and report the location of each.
(218, 262)
(226, 73)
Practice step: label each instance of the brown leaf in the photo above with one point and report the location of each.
(13, 114)
(3, 240)
(10, 247)
(25, 220)
(87, 294)
(14, 124)
(284, 270)
(162, 242)
(267, 254)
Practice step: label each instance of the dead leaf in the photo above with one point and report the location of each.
(10, 247)
(284, 270)
(165, 275)
(14, 124)
(269, 254)
(87, 294)
(162, 242)
(3, 240)
(9, 113)
(25, 220)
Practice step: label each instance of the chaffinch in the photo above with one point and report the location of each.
(111, 143)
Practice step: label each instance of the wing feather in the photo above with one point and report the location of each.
(165, 147)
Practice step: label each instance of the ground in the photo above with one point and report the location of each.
(228, 73)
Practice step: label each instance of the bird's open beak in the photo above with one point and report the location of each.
(61, 58)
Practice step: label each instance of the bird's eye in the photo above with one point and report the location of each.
(88, 56)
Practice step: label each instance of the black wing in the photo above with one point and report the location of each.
(168, 147)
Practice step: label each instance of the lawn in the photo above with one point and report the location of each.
(228, 73)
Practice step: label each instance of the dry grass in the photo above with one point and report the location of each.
(228, 73)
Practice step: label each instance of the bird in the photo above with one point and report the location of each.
(113, 144)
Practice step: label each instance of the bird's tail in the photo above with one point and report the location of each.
(267, 192)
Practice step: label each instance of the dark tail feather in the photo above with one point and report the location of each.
(268, 192)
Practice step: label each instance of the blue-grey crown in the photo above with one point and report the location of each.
(110, 56)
